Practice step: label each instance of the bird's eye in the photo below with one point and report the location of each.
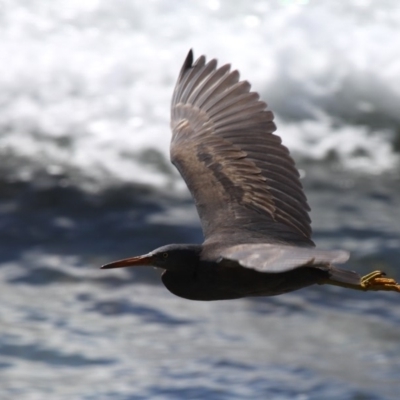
(165, 255)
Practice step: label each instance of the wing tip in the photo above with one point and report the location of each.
(189, 59)
(188, 63)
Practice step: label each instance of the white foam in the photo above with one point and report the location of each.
(354, 146)
(87, 84)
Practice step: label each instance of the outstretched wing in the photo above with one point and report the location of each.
(243, 180)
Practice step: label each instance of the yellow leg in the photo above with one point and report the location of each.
(376, 281)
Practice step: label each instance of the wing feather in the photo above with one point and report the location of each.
(236, 100)
(244, 182)
(219, 90)
(199, 95)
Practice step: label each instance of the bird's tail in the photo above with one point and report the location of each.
(341, 275)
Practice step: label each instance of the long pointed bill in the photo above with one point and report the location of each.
(129, 262)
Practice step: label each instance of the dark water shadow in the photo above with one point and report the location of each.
(146, 313)
(35, 353)
(49, 216)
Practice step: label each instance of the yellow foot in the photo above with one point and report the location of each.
(376, 281)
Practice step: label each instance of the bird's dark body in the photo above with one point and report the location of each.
(247, 191)
(219, 282)
(199, 272)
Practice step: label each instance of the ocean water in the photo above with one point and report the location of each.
(85, 178)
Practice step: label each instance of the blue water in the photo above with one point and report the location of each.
(85, 179)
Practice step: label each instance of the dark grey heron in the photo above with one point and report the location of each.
(247, 191)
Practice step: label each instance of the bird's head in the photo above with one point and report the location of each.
(173, 257)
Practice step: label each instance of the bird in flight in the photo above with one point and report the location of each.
(253, 211)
